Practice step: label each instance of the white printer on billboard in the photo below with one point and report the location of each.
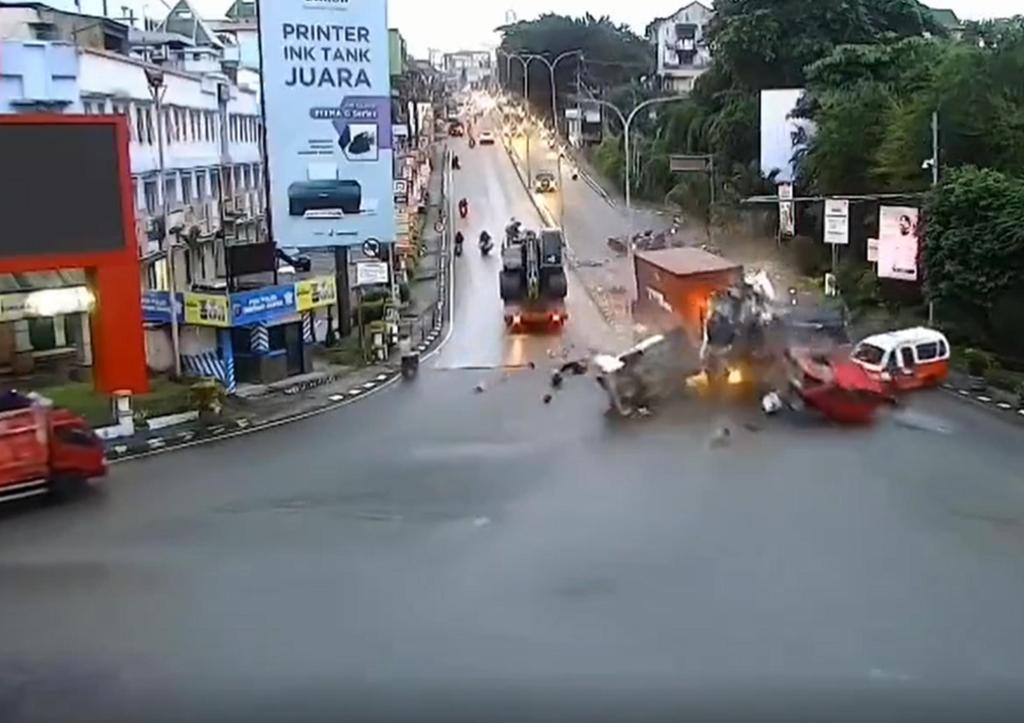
(327, 102)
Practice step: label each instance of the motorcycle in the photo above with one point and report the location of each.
(486, 244)
(458, 244)
(463, 208)
(472, 142)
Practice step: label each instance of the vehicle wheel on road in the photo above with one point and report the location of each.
(557, 285)
(65, 487)
(511, 286)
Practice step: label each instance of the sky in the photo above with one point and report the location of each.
(469, 24)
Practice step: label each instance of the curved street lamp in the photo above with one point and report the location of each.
(552, 64)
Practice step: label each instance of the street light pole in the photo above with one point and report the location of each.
(552, 64)
(157, 89)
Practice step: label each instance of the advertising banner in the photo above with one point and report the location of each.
(156, 307)
(787, 217)
(327, 102)
(272, 302)
(316, 293)
(207, 310)
(371, 273)
(897, 243)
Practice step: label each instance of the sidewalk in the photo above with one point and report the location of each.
(330, 386)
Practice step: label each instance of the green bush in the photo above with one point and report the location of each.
(372, 310)
(207, 397)
(810, 256)
(978, 362)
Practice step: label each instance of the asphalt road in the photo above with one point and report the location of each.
(434, 553)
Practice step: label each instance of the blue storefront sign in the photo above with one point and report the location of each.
(156, 307)
(263, 305)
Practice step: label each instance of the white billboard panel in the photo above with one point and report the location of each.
(327, 104)
(781, 135)
(897, 243)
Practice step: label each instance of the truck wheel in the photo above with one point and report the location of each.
(510, 285)
(557, 285)
(65, 487)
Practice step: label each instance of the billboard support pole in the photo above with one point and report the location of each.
(344, 293)
(155, 79)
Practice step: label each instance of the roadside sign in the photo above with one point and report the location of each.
(689, 164)
(787, 217)
(371, 248)
(873, 250)
(371, 273)
(837, 221)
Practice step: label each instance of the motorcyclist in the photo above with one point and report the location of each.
(455, 163)
(463, 207)
(512, 230)
(459, 238)
(485, 241)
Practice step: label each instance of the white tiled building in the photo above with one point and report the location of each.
(681, 49)
(62, 62)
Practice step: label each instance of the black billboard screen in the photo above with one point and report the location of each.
(60, 189)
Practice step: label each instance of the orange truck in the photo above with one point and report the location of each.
(45, 450)
(675, 286)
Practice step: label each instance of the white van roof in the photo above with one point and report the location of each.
(914, 335)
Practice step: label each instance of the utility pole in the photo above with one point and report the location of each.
(935, 182)
(157, 89)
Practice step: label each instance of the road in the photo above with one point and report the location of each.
(433, 553)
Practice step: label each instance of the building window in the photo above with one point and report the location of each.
(238, 179)
(194, 119)
(201, 190)
(148, 112)
(150, 198)
(186, 188)
(169, 191)
(136, 200)
(42, 334)
(215, 183)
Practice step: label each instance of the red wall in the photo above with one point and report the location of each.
(119, 349)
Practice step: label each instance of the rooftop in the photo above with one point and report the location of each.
(683, 261)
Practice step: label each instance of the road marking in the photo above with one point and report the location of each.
(156, 443)
(1020, 412)
(186, 436)
(369, 385)
(481, 521)
(242, 423)
(354, 392)
(120, 448)
(984, 399)
(964, 392)
(1005, 405)
(336, 397)
(382, 377)
(219, 429)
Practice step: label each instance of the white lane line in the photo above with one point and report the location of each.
(984, 399)
(1005, 405)
(156, 443)
(369, 385)
(382, 377)
(964, 392)
(336, 397)
(354, 392)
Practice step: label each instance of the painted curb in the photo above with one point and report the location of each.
(983, 399)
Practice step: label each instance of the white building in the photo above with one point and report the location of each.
(681, 50)
(471, 67)
(57, 62)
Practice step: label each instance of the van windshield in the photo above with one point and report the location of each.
(869, 354)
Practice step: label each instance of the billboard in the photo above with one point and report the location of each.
(897, 243)
(70, 167)
(327, 107)
(782, 136)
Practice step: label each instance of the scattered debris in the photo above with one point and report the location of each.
(480, 388)
(548, 398)
(721, 438)
(643, 412)
(556, 380)
(531, 365)
(771, 403)
(752, 427)
(576, 368)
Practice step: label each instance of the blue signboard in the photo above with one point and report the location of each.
(263, 305)
(156, 307)
(327, 102)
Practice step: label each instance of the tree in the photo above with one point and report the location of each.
(974, 250)
(770, 43)
(614, 55)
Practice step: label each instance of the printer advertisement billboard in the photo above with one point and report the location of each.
(327, 102)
